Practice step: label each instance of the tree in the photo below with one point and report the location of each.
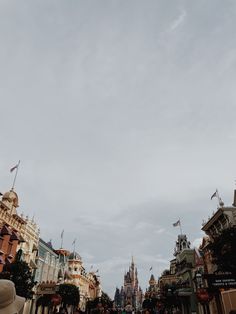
(103, 301)
(224, 250)
(20, 273)
(147, 304)
(106, 300)
(70, 294)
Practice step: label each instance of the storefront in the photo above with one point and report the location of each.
(222, 289)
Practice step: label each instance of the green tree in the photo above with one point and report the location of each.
(70, 294)
(20, 273)
(224, 250)
(147, 304)
(106, 300)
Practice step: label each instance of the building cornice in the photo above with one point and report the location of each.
(221, 211)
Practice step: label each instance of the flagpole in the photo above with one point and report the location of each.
(180, 227)
(218, 196)
(62, 235)
(14, 181)
(74, 245)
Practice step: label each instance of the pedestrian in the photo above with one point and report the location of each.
(62, 310)
(10, 302)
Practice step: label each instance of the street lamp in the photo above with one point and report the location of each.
(202, 294)
(199, 279)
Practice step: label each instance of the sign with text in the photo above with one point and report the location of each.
(221, 281)
(45, 288)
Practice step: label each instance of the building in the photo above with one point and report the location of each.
(88, 283)
(151, 295)
(220, 257)
(24, 229)
(8, 212)
(9, 241)
(30, 233)
(27, 229)
(185, 263)
(63, 273)
(46, 273)
(153, 286)
(176, 284)
(130, 296)
(47, 263)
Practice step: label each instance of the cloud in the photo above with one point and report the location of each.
(197, 242)
(178, 21)
(159, 231)
(121, 127)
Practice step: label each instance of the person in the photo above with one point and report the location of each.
(9, 301)
(63, 310)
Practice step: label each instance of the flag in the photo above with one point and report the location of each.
(150, 268)
(62, 233)
(13, 168)
(73, 242)
(97, 271)
(214, 195)
(177, 223)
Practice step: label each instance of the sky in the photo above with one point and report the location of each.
(122, 113)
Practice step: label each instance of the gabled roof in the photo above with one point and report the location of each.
(5, 230)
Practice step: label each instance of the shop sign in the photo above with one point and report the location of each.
(47, 289)
(221, 281)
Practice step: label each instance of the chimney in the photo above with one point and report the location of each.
(234, 203)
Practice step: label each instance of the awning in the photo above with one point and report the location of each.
(185, 292)
(2, 260)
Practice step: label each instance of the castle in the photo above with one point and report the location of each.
(130, 296)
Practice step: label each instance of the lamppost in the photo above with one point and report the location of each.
(203, 296)
(199, 280)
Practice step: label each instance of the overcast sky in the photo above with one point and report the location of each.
(122, 113)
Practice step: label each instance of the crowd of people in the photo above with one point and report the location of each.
(10, 303)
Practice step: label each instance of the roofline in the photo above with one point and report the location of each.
(48, 246)
(216, 215)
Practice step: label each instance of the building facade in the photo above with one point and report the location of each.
(47, 263)
(9, 241)
(27, 229)
(176, 284)
(130, 296)
(219, 254)
(88, 283)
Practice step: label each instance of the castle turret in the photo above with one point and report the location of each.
(130, 294)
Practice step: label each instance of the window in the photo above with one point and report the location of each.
(9, 248)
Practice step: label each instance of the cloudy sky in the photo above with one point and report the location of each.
(122, 113)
